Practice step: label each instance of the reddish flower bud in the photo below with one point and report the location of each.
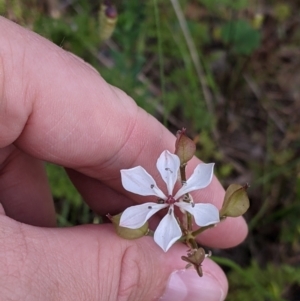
(185, 148)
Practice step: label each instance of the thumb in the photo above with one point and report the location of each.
(92, 263)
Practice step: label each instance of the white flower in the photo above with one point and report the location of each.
(137, 180)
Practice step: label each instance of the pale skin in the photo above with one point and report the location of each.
(56, 108)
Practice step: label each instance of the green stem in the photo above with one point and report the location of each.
(182, 174)
(187, 198)
(202, 229)
(193, 243)
(189, 221)
(161, 62)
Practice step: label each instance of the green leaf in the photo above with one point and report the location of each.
(243, 38)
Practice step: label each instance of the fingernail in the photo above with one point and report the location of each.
(186, 285)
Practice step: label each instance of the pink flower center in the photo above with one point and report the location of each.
(170, 200)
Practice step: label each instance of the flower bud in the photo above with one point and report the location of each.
(184, 147)
(236, 201)
(108, 17)
(126, 232)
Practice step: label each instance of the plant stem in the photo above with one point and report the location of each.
(161, 62)
(202, 229)
(186, 198)
(194, 55)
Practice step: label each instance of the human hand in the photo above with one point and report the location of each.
(56, 108)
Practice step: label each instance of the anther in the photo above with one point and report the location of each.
(160, 201)
(167, 168)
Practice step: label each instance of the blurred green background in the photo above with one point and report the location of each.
(228, 71)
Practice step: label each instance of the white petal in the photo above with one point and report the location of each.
(136, 216)
(168, 165)
(204, 214)
(138, 181)
(200, 178)
(168, 231)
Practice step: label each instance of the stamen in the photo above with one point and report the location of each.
(149, 207)
(152, 186)
(167, 168)
(170, 211)
(160, 201)
(185, 198)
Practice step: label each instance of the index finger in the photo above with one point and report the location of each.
(57, 108)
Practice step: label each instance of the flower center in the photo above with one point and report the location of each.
(170, 200)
